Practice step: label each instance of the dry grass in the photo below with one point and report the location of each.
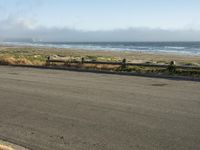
(10, 60)
(3, 147)
(101, 66)
(7, 60)
(93, 66)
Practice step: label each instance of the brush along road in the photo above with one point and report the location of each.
(50, 109)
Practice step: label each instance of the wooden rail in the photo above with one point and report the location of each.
(124, 63)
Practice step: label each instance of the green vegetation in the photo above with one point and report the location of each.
(171, 70)
(40, 55)
(190, 64)
(192, 72)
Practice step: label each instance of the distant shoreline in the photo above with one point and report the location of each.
(171, 48)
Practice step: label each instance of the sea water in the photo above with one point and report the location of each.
(186, 48)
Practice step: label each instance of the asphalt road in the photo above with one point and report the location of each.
(62, 110)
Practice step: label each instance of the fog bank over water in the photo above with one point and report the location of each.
(20, 29)
(92, 21)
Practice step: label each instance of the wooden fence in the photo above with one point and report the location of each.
(123, 64)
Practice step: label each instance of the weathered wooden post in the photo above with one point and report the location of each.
(173, 63)
(172, 67)
(82, 60)
(124, 63)
(48, 61)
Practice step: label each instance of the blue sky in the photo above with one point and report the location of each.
(101, 20)
(105, 14)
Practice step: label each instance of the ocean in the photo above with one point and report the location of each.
(183, 48)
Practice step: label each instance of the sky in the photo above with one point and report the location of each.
(79, 20)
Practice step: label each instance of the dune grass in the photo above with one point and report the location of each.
(38, 56)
